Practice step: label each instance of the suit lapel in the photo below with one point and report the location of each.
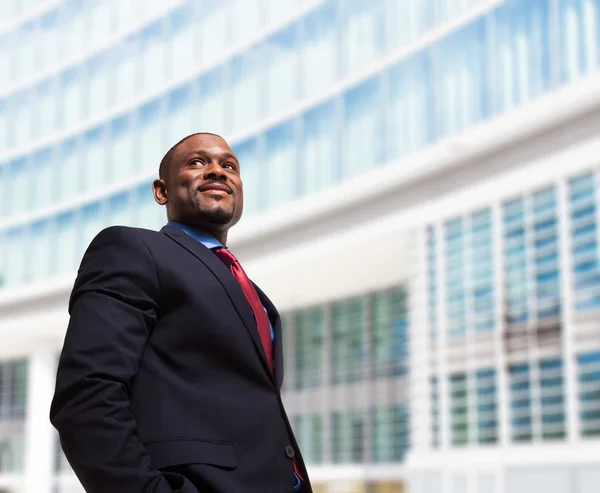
(277, 329)
(223, 274)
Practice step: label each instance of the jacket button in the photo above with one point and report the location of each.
(289, 451)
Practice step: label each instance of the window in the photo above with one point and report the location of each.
(40, 250)
(12, 454)
(348, 344)
(247, 19)
(99, 87)
(148, 213)
(282, 69)
(126, 15)
(482, 271)
(70, 170)
(363, 128)
(589, 393)
(121, 149)
(73, 28)
(22, 118)
(25, 48)
(410, 115)
(15, 257)
(214, 30)
(212, 110)
(320, 155)
(432, 283)
(120, 211)
(6, 55)
(521, 56)
(390, 433)
(183, 44)
(309, 432)
(3, 125)
(49, 33)
(47, 112)
(309, 328)
(552, 405)
(520, 403)
(281, 165)
(126, 83)
(94, 159)
(579, 37)
(92, 222)
(180, 115)
(460, 67)
(460, 420)
(362, 33)
(66, 244)
(72, 98)
(487, 406)
(246, 70)
(515, 261)
(319, 50)
(456, 251)
(100, 24)
(252, 175)
(43, 171)
(435, 411)
(150, 144)
(347, 435)
(445, 9)
(13, 389)
(18, 188)
(277, 10)
(389, 325)
(153, 58)
(406, 20)
(584, 242)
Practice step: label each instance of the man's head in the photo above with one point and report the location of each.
(200, 184)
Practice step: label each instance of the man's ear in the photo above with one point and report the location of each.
(159, 188)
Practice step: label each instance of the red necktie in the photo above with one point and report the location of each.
(262, 321)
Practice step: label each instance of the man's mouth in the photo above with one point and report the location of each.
(217, 188)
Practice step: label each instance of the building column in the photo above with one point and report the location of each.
(39, 434)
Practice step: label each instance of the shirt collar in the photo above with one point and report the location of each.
(203, 237)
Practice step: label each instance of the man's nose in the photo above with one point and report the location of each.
(214, 170)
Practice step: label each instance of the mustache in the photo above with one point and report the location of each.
(215, 182)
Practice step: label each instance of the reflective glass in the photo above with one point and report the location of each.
(126, 15)
(247, 19)
(15, 256)
(151, 143)
(73, 28)
(362, 32)
(319, 49)
(3, 125)
(47, 111)
(66, 243)
(22, 118)
(120, 210)
(94, 159)
(589, 393)
(348, 341)
(212, 107)
(405, 20)
(49, 44)
(98, 85)
(72, 98)
(100, 20)
(252, 175)
(282, 69)
(25, 51)
(281, 165)
(320, 155)
(181, 120)
(39, 248)
(43, 172)
(443, 10)
(521, 58)
(153, 57)
(411, 114)
(126, 79)
(183, 45)
(246, 70)
(121, 151)
(277, 10)
(460, 66)
(70, 168)
(309, 330)
(363, 128)
(579, 37)
(6, 60)
(148, 214)
(18, 189)
(92, 222)
(215, 34)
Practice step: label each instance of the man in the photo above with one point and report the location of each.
(171, 370)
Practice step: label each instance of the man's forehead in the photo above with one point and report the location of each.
(204, 142)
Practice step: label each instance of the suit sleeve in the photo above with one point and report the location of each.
(113, 309)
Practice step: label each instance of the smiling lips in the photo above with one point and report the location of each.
(216, 188)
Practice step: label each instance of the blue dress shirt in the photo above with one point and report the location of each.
(211, 243)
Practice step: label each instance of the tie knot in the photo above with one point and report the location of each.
(226, 256)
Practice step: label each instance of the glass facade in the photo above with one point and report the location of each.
(100, 106)
(13, 401)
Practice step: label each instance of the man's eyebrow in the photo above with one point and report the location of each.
(202, 152)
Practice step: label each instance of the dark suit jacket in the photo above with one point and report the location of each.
(163, 385)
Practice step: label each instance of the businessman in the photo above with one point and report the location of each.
(170, 375)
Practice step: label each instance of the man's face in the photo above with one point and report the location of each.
(204, 187)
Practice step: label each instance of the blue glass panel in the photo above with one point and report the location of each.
(120, 210)
(461, 75)
(127, 78)
(282, 69)
(18, 189)
(99, 93)
(212, 110)
(121, 149)
(521, 45)
(405, 20)
(281, 165)
(49, 33)
(66, 243)
(21, 117)
(181, 119)
(214, 30)
(94, 159)
(39, 249)
(47, 108)
(152, 143)
(153, 57)
(247, 19)
(246, 71)
(92, 222)
(3, 126)
(363, 128)
(410, 111)
(72, 98)
(362, 32)
(44, 168)
(579, 37)
(15, 259)
(252, 175)
(320, 57)
(148, 213)
(183, 51)
(320, 159)
(70, 170)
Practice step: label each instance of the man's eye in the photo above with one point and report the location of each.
(199, 162)
(229, 165)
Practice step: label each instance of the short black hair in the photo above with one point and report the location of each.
(167, 160)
